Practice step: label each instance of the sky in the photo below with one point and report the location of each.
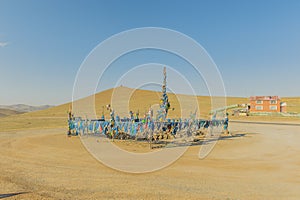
(255, 44)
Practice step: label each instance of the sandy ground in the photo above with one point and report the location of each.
(263, 164)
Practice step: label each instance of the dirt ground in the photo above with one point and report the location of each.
(264, 163)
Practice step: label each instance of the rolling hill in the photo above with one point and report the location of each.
(22, 108)
(7, 112)
(124, 99)
(140, 101)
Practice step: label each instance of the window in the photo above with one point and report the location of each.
(259, 107)
(273, 107)
(273, 102)
(259, 102)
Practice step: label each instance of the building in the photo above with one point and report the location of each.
(266, 104)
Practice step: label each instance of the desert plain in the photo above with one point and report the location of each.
(39, 161)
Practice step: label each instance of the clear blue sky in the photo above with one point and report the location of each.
(255, 44)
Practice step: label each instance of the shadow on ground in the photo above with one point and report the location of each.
(195, 142)
(2, 196)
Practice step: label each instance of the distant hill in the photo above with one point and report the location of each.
(125, 99)
(7, 112)
(139, 100)
(22, 108)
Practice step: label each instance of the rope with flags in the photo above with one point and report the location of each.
(127, 128)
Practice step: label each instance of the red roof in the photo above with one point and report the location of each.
(264, 98)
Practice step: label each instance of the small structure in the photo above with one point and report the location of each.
(240, 112)
(267, 104)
